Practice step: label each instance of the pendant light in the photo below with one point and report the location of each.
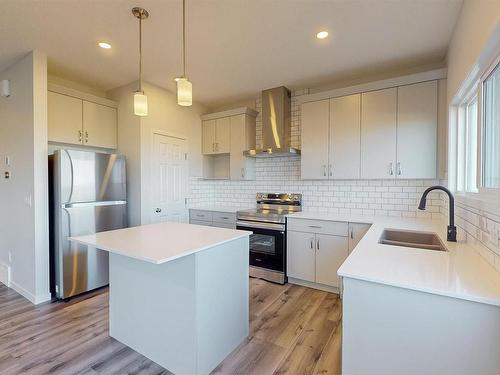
(140, 100)
(184, 87)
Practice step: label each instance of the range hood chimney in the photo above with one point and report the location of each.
(276, 125)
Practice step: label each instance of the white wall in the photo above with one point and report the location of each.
(478, 20)
(474, 35)
(135, 140)
(24, 197)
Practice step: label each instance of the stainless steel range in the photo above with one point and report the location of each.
(268, 241)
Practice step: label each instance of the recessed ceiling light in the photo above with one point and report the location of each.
(104, 45)
(322, 34)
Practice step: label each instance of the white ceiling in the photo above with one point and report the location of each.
(235, 48)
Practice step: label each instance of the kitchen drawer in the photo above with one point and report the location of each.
(224, 217)
(224, 225)
(336, 228)
(200, 215)
(200, 222)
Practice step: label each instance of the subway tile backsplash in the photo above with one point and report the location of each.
(356, 197)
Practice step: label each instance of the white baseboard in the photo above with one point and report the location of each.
(5, 274)
(34, 299)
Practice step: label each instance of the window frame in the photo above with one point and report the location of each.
(482, 116)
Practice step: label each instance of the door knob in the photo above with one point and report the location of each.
(158, 210)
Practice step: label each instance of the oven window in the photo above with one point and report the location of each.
(263, 244)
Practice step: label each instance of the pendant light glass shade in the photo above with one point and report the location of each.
(140, 104)
(184, 92)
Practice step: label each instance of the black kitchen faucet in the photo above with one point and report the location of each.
(452, 229)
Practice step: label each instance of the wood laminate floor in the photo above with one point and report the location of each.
(293, 330)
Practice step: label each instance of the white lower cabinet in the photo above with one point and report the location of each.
(356, 233)
(315, 257)
(212, 218)
(301, 255)
(331, 251)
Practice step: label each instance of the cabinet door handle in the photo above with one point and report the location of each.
(399, 168)
(331, 171)
(352, 234)
(312, 246)
(80, 136)
(242, 172)
(317, 244)
(391, 168)
(324, 170)
(86, 137)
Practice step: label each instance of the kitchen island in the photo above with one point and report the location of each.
(178, 292)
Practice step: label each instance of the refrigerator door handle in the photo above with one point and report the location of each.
(93, 204)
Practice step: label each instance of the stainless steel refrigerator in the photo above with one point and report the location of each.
(87, 195)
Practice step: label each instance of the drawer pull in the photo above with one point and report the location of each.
(224, 218)
(200, 215)
(315, 226)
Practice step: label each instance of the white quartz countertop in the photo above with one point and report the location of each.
(160, 243)
(461, 272)
(225, 209)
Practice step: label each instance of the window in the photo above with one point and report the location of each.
(474, 135)
(491, 130)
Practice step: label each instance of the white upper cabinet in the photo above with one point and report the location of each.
(378, 134)
(216, 136)
(315, 140)
(223, 135)
(208, 137)
(74, 120)
(99, 125)
(417, 131)
(242, 138)
(345, 127)
(64, 118)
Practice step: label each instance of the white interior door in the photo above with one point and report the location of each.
(169, 179)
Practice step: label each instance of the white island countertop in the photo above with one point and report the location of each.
(461, 272)
(162, 242)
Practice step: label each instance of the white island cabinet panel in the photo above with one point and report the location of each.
(178, 292)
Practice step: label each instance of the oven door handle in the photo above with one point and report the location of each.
(261, 225)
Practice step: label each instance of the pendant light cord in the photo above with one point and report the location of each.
(184, 38)
(140, 52)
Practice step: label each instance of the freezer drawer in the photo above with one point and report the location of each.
(80, 268)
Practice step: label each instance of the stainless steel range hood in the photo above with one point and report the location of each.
(276, 125)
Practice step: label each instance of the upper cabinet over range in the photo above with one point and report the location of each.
(82, 119)
(380, 134)
(225, 135)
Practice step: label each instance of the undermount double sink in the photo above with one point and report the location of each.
(420, 240)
